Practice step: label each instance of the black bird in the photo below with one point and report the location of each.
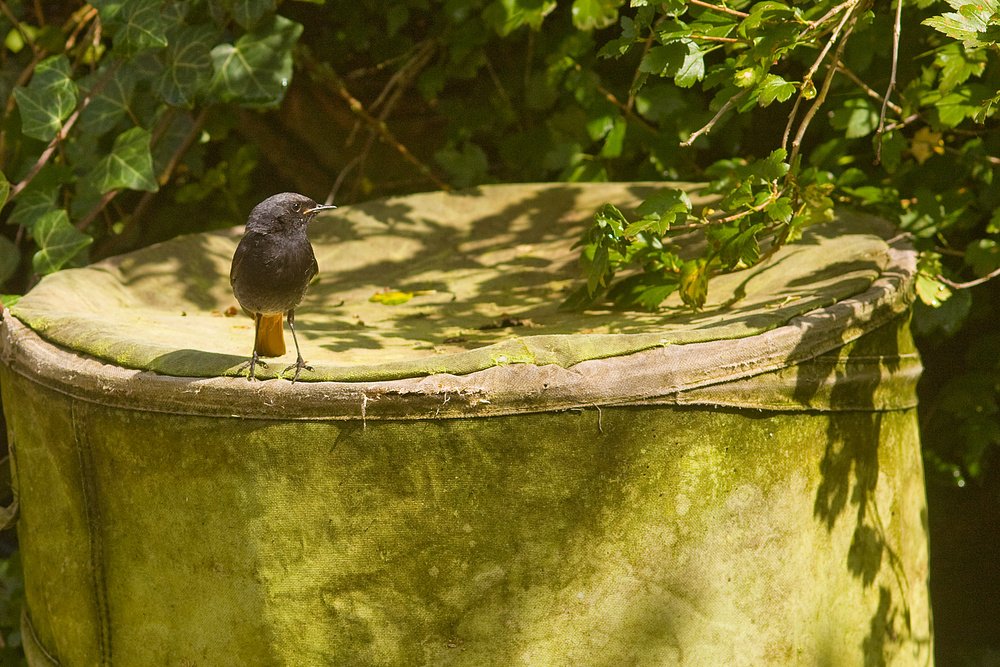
(272, 268)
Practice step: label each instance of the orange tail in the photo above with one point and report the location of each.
(270, 336)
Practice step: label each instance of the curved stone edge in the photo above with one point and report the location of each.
(660, 374)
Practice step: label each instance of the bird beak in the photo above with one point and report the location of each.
(316, 209)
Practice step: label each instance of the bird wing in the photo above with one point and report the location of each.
(237, 260)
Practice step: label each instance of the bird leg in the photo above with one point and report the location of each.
(255, 359)
(300, 363)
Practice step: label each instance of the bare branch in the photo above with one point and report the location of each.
(896, 29)
(815, 66)
(972, 283)
(326, 74)
(868, 89)
(724, 10)
(850, 19)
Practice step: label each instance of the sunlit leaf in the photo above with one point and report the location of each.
(694, 283)
(257, 69)
(129, 165)
(595, 14)
(4, 189)
(772, 88)
(48, 99)
(58, 241)
(396, 297)
(858, 117)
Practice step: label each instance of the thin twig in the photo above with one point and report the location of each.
(326, 74)
(826, 17)
(398, 83)
(332, 196)
(825, 89)
(896, 30)
(724, 10)
(865, 87)
(971, 283)
(710, 124)
(902, 122)
(625, 108)
(724, 40)
(815, 66)
(638, 72)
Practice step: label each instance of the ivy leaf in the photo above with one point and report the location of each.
(772, 88)
(142, 27)
(10, 258)
(129, 165)
(48, 99)
(110, 105)
(31, 205)
(257, 68)
(248, 12)
(188, 69)
(595, 14)
(58, 241)
(107, 9)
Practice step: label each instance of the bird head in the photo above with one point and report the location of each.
(284, 211)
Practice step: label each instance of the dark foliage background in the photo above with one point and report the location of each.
(127, 122)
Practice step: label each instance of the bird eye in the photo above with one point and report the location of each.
(297, 206)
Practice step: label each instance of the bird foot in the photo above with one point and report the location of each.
(299, 364)
(252, 363)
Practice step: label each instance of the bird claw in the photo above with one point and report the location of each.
(299, 364)
(251, 363)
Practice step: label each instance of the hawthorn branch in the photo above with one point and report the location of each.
(715, 119)
(868, 89)
(850, 19)
(717, 8)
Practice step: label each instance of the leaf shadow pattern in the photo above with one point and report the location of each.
(850, 470)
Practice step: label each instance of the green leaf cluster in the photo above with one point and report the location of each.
(126, 95)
